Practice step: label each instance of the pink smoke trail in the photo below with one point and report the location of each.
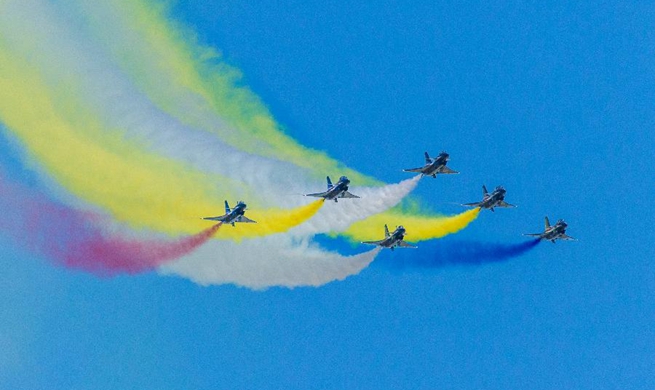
(74, 239)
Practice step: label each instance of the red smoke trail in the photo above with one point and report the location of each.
(109, 255)
(76, 239)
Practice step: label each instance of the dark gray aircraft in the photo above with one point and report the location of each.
(489, 201)
(434, 166)
(234, 215)
(392, 240)
(552, 233)
(340, 190)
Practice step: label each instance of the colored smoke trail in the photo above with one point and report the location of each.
(201, 91)
(138, 188)
(272, 221)
(95, 116)
(105, 254)
(73, 239)
(419, 228)
(462, 253)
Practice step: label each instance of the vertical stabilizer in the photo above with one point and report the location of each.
(428, 160)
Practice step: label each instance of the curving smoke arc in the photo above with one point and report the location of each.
(93, 116)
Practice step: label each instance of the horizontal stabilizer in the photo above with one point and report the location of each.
(347, 194)
(446, 171)
(245, 219)
(403, 244)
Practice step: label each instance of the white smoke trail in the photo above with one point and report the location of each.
(274, 262)
(337, 217)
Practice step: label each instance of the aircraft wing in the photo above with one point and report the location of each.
(568, 238)
(372, 242)
(502, 203)
(403, 244)
(476, 204)
(533, 234)
(318, 194)
(445, 170)
(419, 170)
(220, 218)
(347, 194)
(245, 219)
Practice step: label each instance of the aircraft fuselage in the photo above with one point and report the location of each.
(394, 239)
(238, 211)
(338, 189)
(554, 232)
(493, 199)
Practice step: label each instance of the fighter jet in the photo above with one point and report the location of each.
(234, 215)
(340, 190)
(552, 233)
(489, 201)
(434, 166)
(392, 240)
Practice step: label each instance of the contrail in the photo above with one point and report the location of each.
(458, 253)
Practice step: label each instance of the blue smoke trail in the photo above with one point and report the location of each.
(444, 253)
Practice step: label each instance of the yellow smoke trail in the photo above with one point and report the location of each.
(140, 189)
(271, 221)
(160, 49)
(419, 228)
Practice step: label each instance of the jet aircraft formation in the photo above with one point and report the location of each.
(432, 167)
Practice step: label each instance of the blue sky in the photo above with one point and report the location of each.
(553, 101)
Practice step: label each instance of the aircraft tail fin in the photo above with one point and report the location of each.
(428, 160)
(547, 223)
(227, 208)
(329, 183)
(386, 231)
